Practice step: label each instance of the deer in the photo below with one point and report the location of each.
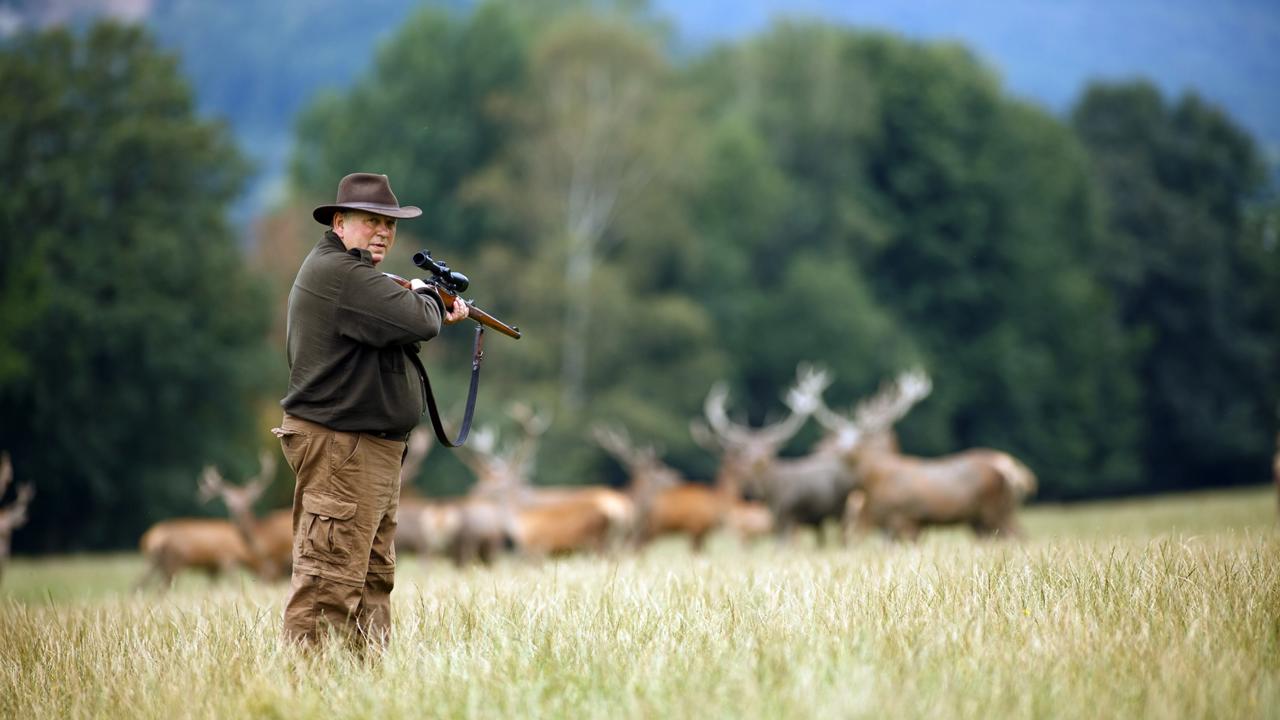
(802, 491)
(425, 526)
(14, 515)
(668, 504)
(214, 546)
(269, 539)
(513, 468)
(503, 509)
(902, 494)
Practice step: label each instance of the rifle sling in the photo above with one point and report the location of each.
(429, 398)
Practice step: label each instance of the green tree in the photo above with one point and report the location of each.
(137, 354)
(1193, 277)
(421, 116)
(894, 181)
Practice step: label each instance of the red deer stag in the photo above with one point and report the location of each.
(503, 507)
(807, 490)
(666, 504)
(13, 516)
(900, 494)
(214, 546)
(425, 526)
(269, 539)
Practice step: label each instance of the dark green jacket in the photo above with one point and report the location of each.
(348, 328)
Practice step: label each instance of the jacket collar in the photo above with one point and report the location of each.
(331, 239)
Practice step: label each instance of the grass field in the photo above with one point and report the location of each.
(1162, 608)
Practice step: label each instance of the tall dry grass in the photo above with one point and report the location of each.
(1153, 608)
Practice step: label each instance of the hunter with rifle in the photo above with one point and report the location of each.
(352, 401)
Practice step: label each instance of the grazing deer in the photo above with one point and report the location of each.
(807, 490)
(13, 516)
(666, 504)
(216, 547)
(423, 526)
(269, 539)
(503, 508)
(901, 494)
(517, 465)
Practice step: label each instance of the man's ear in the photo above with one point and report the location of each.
(338, 223)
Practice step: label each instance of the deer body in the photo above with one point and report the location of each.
(558, 528)
(980, 488)
(214, 546)
(270, 538)
(807, 490)
(901, 494)
(750, 520)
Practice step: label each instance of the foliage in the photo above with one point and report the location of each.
(1194, 278)
(134, 352)
(970, 216)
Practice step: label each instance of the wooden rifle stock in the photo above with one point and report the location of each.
(473, 312)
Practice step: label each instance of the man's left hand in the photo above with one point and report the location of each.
(459, 312)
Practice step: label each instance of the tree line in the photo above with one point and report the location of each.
(1093, 293)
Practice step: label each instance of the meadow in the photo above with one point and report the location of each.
(1160, 607)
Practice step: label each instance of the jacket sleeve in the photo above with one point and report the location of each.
(375, 310)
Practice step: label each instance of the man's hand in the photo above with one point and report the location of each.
(459, 312)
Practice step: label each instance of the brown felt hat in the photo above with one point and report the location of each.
(365, 191)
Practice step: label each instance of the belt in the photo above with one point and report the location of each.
(399, 437)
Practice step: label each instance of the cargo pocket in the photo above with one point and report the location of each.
(329, 532)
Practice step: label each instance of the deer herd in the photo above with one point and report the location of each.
(854, 478)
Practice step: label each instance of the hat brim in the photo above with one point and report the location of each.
(324, 213)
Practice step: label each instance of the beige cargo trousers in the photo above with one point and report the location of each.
(344, 522)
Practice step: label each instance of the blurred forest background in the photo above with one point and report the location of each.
(1093, 288)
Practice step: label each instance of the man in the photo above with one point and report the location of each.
(353, 398)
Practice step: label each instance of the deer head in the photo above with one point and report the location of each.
(752, 449)
(875, 415)
(15, 515)
(497, 475)
(239, 499)
(647, 473)
(533, 425)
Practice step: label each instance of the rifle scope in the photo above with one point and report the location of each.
(454, 281)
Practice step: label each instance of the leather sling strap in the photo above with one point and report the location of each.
(429, 398)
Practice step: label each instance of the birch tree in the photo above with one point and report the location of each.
(598, 128)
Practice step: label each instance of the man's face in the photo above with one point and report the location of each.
(360, 230)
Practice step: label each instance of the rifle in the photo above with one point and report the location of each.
(448, 285)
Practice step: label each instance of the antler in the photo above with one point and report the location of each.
(6, 472)
(211, 484)
(532, 426)
(891, 403)
(15, 515)
(718, 419)
(617, 442)
(803, 398)
(266, 473)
